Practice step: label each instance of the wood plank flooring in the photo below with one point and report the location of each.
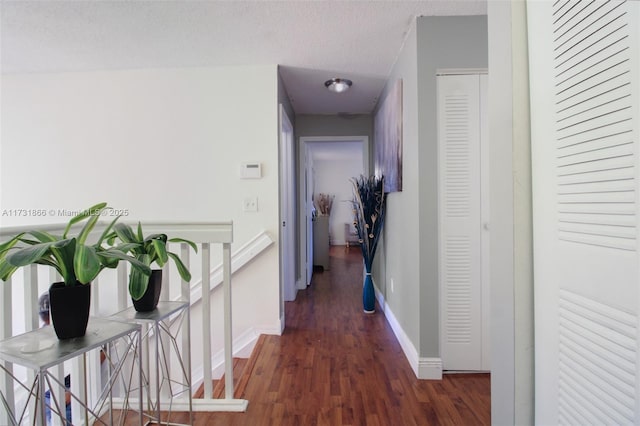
(335, 365)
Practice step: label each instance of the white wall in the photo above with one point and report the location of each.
(332, 176)
(165, 145)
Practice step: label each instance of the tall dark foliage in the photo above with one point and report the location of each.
(369, 202)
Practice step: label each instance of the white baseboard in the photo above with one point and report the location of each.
(430, 368)
(274, 329)
(282, 325)
(424, 368)
(182, 404)
(300, 284)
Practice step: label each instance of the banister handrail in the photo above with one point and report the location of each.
(204, 234)
(239, 258)
(198, 232)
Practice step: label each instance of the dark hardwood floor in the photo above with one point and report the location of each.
(335, 365)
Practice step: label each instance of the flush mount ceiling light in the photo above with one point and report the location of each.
(338, 85)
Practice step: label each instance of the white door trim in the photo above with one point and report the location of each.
(461, 71)
(303, 153)
(288, 288)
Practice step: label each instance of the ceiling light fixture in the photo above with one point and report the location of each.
(338, 85)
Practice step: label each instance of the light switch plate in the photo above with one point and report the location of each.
(250, 204)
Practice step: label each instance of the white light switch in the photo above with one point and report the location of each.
(250, 204)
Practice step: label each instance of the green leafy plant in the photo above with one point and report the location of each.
(77, 261)
(369, 203)
(148, 250)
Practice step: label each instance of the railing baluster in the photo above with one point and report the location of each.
(206, 320)
(122, 287)
(6, 324)
(228, 338)
(6, 331)
(185, 295)
(78, 381)
(91, 365)
(94, 308)
(165, 295)
(31, 311)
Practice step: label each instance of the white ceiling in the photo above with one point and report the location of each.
(311, 40)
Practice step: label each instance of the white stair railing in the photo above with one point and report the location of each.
(6, 330)
(213, 238)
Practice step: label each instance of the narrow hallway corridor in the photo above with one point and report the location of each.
(335, 365)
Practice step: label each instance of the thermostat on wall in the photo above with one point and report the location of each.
(250, 171)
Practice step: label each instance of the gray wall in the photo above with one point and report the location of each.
(398, 257)
(334, 125)
(443, 42)
(410, 249)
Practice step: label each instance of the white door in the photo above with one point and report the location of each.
(463, 211)
(583, 59)
(308, 209)
(287, 208)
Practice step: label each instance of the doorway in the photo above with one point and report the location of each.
(326, 165)
(288, 286)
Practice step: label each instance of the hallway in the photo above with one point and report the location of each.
(334, 365)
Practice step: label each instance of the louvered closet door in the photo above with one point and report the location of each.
(460, 221)
(585, 128)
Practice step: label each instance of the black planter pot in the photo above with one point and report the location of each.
(69, 309)
(150, 298)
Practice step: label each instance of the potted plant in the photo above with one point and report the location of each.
(75, 259)
(369, 204)
(144, 288)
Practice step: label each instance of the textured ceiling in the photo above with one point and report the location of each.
(311, 40)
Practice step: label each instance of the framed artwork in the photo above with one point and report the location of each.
(387, 136)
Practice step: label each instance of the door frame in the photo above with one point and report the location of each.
(288, 287)
(484, 219)
(304, 219)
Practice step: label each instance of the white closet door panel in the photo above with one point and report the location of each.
(460, 227)
(585, 128)
(485, 209)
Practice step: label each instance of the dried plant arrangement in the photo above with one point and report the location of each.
(368, 209)
(323, 203)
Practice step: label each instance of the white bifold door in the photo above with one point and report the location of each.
(463, 228)
(584, 78)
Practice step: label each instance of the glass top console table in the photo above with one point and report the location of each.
(169, 381)
(41, 351)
